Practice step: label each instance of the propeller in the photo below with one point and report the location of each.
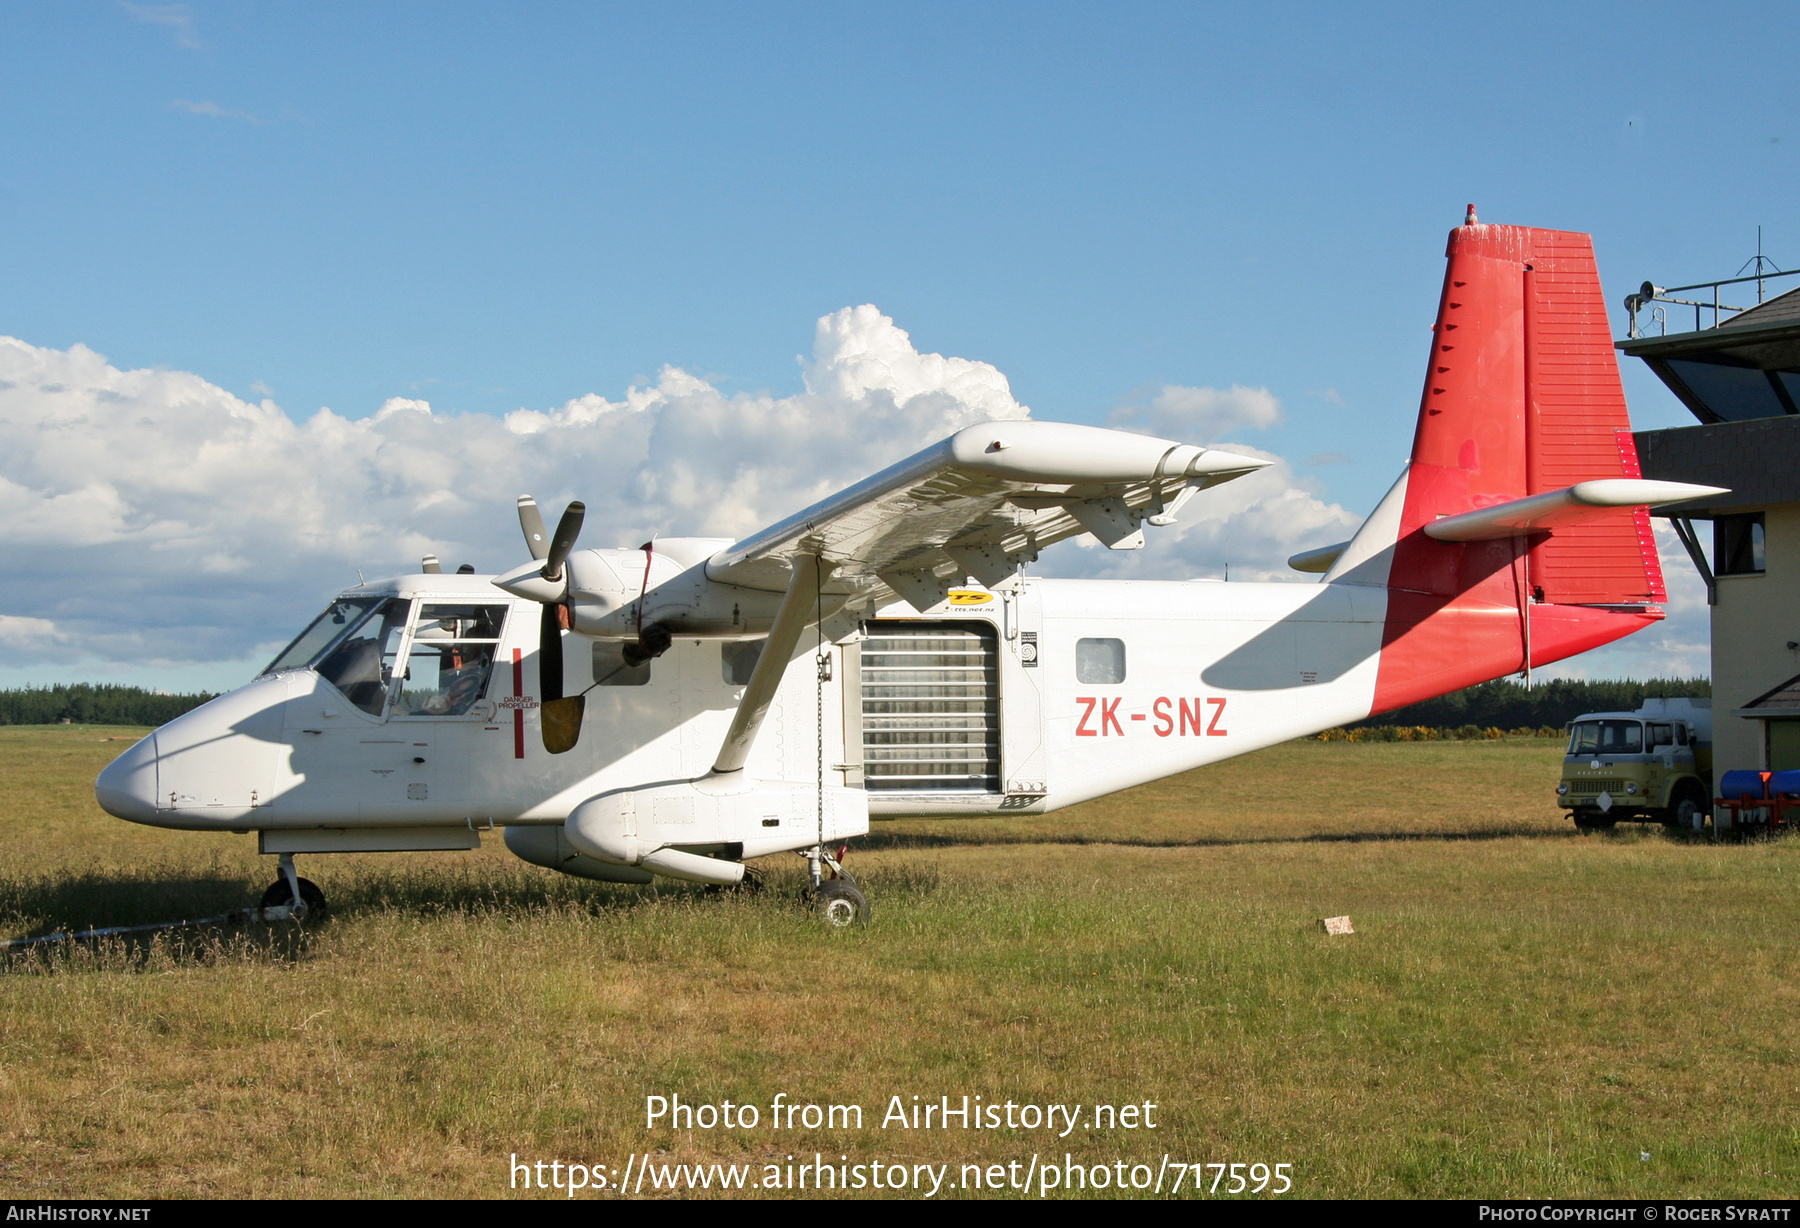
(559, 718)
(532, 521)
(567, 529)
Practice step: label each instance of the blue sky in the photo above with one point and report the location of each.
(501, 207)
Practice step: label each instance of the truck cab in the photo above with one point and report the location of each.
(1654, 763)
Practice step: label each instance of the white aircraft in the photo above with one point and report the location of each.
(679, 709)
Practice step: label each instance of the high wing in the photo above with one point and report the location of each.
(981, 503)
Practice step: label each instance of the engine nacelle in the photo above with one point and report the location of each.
(616, 594)
(657, 826)
(606, 588)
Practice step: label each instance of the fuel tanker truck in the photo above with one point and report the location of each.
(1655, 764)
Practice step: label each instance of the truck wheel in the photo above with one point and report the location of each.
(1689, 811)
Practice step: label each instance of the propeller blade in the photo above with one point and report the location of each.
(567, 529)
(550, 655)
(537, 538)
(558, 718)
(561, 720)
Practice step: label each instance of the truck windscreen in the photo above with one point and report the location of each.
(1606, 738)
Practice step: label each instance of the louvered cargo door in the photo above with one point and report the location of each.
(931, 707)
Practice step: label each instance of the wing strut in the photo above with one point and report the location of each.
(798, 605)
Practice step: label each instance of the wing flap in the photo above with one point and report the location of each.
(983, 500)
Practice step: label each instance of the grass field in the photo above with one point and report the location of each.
(1522, 1011)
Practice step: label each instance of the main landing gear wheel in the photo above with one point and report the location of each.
(841, 903)
(278, 895)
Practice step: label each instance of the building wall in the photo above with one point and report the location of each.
(1755, 618)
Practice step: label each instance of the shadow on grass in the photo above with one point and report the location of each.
(900, 841)
(41, 905)
(98, 900)
(45, 904)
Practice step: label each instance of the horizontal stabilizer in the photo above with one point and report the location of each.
(1319, 560)
(1554, 509)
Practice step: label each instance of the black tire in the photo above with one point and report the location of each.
(278, 895)
(1593, 820)
(841, 903)
(1690, 810)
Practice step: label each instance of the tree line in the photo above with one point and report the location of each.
(87, 703)
(1507, 704)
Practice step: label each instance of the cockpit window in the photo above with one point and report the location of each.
(338, 618)
(362, 662)
(1606, 738)
(451, 659)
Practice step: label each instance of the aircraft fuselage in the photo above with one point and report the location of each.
(1019, 701)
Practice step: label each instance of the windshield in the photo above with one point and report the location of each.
(362, 663)
(337, 619)
(1606, 738)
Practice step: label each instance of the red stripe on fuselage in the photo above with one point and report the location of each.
(518, 713)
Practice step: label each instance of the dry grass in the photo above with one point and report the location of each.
(1522, 1011)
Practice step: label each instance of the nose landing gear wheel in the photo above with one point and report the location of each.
(310, 895)
(841, 903)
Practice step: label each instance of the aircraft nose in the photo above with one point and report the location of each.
(126, 788)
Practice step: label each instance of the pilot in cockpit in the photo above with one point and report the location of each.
(452, 657)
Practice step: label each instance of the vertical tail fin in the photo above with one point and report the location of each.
(1521, 396)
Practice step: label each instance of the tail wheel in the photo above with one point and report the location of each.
(278, 895)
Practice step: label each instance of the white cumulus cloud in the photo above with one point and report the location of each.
(1251, 525)
(28, 634)
(151, 519)
(1200, 415)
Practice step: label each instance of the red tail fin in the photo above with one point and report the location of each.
(1522, 396)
